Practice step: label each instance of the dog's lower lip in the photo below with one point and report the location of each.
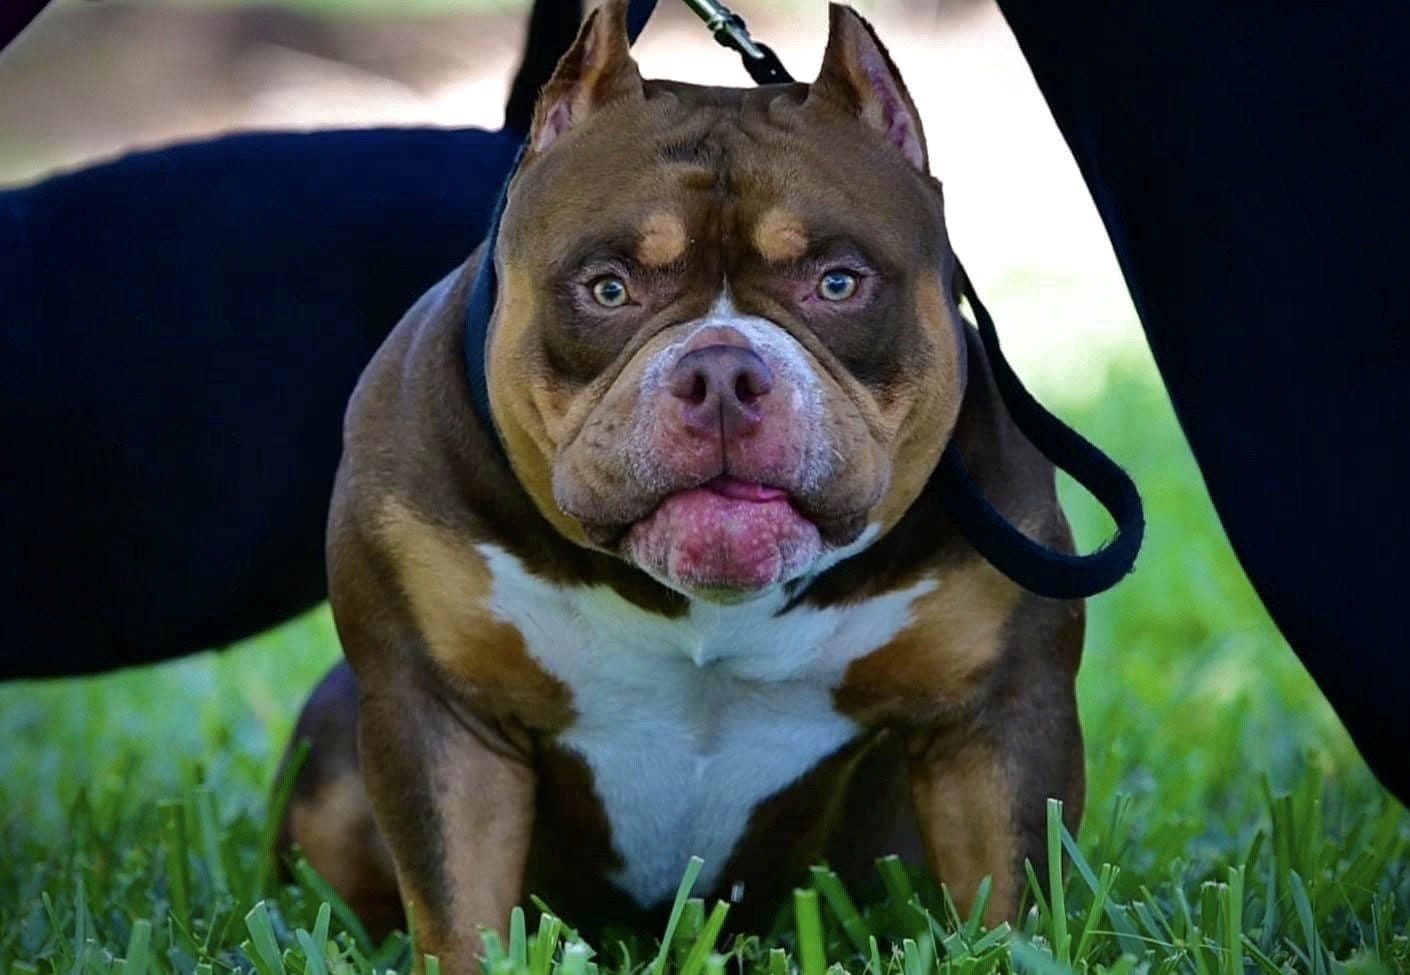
(737, 490)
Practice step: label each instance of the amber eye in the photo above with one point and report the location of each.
(609, 291)
(837, 285)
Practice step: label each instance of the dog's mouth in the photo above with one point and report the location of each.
(740, 490)
(726, 538)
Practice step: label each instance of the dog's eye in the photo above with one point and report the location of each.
(837, 285)
(609, 291)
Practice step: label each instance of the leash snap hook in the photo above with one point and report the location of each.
(729, 30)
(727, 26)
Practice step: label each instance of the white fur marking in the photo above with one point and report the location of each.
(687, 724)
(783, 354)
(830, 558)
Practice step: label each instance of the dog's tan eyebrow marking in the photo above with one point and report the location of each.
(779, 236)
(662, 240)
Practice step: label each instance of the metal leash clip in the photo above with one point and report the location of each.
(729, 30)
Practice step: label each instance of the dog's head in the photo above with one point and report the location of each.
(725, 347)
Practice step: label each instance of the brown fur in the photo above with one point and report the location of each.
(329, 816)
(967, 803)
(447, 585)
(969, 714)
(936, 665)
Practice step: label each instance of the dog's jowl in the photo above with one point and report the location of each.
(697, 596)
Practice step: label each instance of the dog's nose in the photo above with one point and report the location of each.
(720, 387)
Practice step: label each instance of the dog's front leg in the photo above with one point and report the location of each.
(980, 791)
(455, 803)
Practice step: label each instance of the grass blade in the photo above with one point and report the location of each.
(975, 922)
(518, 940)
(139, 945)
(900, 894)
(1312, 942)
(812, 949)
(278, 802)
(575, 959)
(80, 924)
(688, 928)
(178, 856)
(1094, 913)
(840, 903)
(310, 879)
(1057, 892)
(266, 956)
(545, 942)
(314, 953)
(209, 829)
(692, 871)
(320, 925)
(704, 945)
(1028, 957)
(1233, 957)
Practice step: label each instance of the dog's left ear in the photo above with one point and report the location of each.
(857, 75)
(597, 69)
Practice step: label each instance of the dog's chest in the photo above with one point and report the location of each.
(688, 724)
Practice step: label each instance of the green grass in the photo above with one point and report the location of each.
(1230, 826)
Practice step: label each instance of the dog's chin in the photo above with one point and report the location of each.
(725, 542)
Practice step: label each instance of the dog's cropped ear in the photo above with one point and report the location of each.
(597, 69)
(858, 76)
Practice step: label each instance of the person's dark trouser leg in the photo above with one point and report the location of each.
(15, 16)
(1252, 165)
(179, 333)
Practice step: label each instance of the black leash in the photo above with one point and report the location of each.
(1037, 568)
(730, 31)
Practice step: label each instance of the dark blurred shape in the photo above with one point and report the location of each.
(15, 16)
(552, 26)
(1250, 162)
(181, 330)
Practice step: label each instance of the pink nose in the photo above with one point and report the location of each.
(720, 387)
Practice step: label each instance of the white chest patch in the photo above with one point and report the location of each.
(687, 724)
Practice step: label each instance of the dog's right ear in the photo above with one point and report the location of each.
(598, 69)
(859, 76)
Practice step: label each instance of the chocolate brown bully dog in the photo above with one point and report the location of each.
(705, 601)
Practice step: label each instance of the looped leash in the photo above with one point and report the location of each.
(1037, 568)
